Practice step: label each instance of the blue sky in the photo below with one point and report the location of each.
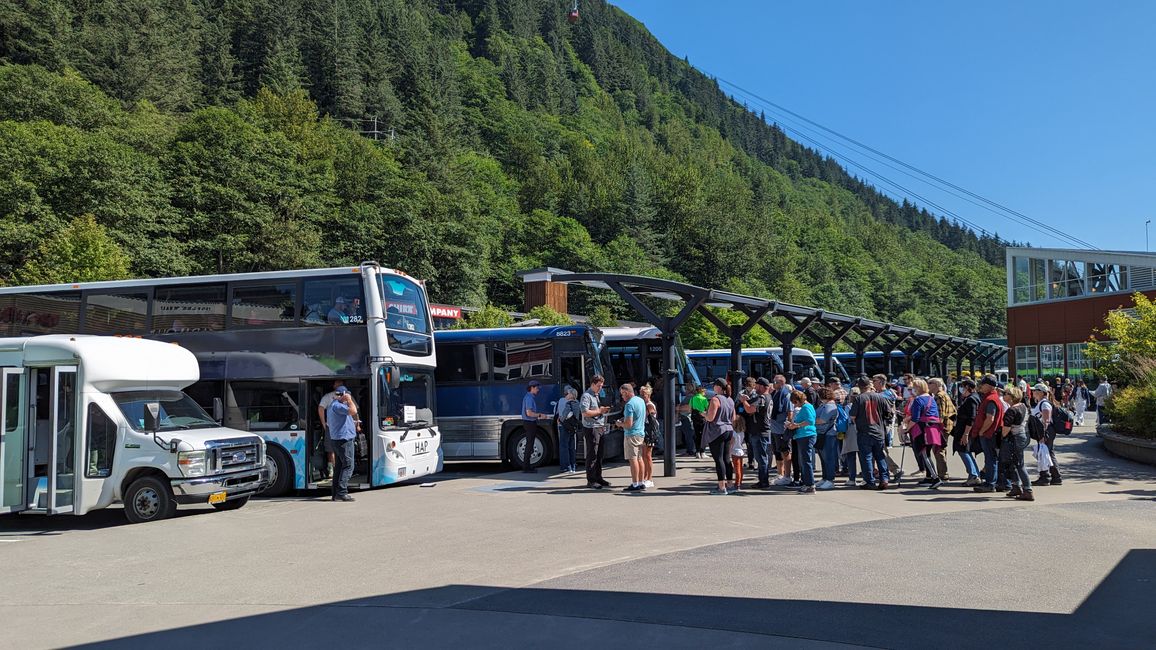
(1045, 107)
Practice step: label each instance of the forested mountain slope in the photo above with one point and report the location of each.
(460, 141)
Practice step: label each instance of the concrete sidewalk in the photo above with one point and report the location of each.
(451, 560)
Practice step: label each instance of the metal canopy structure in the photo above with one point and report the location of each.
(828, 328)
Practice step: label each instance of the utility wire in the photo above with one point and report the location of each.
(1018, 216)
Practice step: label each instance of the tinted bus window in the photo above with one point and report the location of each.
(406, 319)
(332, 301)
(196, 308)
(523, 360)
(263, 405)
(45, 313)
(116, 313)
(459, 362)
(256, 305)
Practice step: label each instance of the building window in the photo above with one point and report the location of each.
(1065, 278)
(1078, 363)
(1051, 360)
(1107, 278)
(1026, 365)
(1029, 280)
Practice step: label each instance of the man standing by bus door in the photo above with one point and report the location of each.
(322, 414)
(342, 421)
(593, 429)
(530, 417)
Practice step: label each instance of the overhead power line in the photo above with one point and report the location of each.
(984, 202)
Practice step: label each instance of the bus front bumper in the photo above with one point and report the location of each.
(235, 485)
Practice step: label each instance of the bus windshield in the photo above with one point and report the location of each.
(178, 411)
(406, 317)
(415, 390)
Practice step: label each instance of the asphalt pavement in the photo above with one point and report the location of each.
(497, 560)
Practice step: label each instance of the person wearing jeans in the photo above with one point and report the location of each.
(827, 417)
(569, 421)
(988, 421)
(758, 433)
(342, 421)
(803, 427)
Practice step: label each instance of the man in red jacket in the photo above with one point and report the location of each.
(987, 422)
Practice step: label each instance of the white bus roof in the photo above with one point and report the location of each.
(195, 279)
(630, 333)
(109, 363)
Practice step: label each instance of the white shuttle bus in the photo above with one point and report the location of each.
(89, 421)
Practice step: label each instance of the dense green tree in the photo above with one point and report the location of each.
(81, 252)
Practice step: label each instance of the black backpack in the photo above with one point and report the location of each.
(1061, 421)
(1035, 427)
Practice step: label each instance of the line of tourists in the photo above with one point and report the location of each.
(785, 433)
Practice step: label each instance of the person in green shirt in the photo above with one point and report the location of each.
(698, 406)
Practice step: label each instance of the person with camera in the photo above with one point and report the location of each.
(342, 424)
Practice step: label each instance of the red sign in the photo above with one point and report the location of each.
(445, 311)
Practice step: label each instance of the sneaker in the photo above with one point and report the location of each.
(1026, 496)
(927, 480)
(735, 490)
(594, 486)
(807, 489)
(782, 480)
(971, 481)
(849, 482)
(796, 484)
(604, 483)
(935, 485)
(633, 487)
(717, 492)
(868, 486)
(884, 486)
(1014, 492)
(1043, 480)
(983, 487)
(825, 485)
(1002, 488)
(762, 486)
(343, 497)
(1057, 481)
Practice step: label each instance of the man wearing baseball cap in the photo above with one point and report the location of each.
(341, 419)
(987, 422)
(530, 417)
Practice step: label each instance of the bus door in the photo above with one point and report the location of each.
(318, 471)
(52, 452)
(13, 441)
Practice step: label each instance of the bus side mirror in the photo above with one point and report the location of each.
(152, 416)
(394, 377)
(218, 410)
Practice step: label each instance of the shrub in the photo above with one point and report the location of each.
(1133, 410)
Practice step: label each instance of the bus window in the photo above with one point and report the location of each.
(523, 360)
(263, 305)
(332, 301)
(263, 405)
(46, 313)
(458, 362)
(116, 313)
(101, 443)
(189, 308)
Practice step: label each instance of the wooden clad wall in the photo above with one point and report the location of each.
(553, 294)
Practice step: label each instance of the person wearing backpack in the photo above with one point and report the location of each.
(1048, 417)
(1015, 442)
(569, 423)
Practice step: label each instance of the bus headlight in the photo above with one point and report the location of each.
(193, 463)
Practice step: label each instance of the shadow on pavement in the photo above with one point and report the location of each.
(19, 525)
(1115, 615)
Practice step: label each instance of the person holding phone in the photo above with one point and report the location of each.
(341, 418)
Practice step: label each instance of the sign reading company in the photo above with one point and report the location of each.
(445, 311)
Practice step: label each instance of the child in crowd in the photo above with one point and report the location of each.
(738, 451)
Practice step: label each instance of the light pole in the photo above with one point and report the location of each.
(1146, 235)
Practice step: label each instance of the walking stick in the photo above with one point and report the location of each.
(902, 456)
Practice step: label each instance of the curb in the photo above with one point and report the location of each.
(1138, 449)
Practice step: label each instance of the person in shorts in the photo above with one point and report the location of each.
(633, 425)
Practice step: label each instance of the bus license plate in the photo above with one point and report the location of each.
(218, 497)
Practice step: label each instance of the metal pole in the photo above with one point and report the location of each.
(1146, 235)
(887, 362)
(788, 364)
(828, 361)
(669, 366)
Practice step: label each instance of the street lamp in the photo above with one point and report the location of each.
(1146, 235)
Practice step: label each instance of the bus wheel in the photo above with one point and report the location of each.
(148, 499)
(516, 446)
(280, 469)
(235, 504)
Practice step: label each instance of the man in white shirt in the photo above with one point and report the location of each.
(1103, 392)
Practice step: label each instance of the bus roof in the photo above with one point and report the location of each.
(800, 352)
(507, 333)
(110, 363)
(631, 333)
(195, 279)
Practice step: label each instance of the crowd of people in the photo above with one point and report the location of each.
(781, 433)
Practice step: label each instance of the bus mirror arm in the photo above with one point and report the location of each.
(152, 420)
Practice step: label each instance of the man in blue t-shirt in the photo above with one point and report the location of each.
(341, 424)
(633, 424)
(530, 417)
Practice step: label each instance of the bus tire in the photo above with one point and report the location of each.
(517, 438)
(280, 468)
(148, 499)
(235, 504)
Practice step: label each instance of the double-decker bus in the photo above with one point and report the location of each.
(270, 346)
(482, 375)
(757, 362)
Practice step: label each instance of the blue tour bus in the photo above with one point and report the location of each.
(757, 362)
(837, 368)
(874, 363)
(636, 356)
(481, 379)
